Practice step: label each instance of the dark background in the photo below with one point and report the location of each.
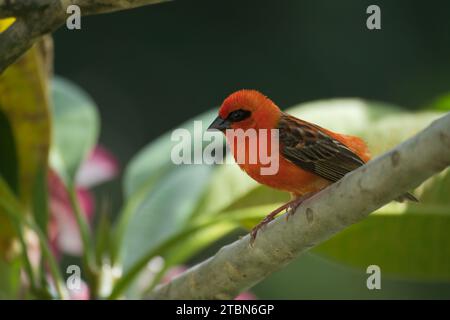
(151, 68)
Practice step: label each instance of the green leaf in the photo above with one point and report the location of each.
(161, 198)
(312, 277)
(149, 171)
(344, 115)
(165, 211)
(214, 228)
(404, 245)
(406, 240)
(103, 237)
(153, 162)
(228, 183)
(10, 279)
(196, 241)
(393, 129)
(40, 200)
(75, 128)
(185, 243)
(442, 103)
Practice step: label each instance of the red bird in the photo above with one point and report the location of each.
(310, 157)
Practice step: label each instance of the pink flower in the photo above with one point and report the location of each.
(81, 294)
(172, 273)
(99, 167)
(246, 296)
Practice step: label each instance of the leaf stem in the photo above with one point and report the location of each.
(124, 218)
(17, 216)
(26, 259)
(85, 235)
(53, 265)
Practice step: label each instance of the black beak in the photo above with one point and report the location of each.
(219, 124)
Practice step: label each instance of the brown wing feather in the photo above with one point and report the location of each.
(310, 148)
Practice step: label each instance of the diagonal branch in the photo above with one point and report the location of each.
(36, 18)
(237, 267)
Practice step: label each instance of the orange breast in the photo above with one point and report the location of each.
(287, 176)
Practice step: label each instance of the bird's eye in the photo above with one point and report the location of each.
(238, 115)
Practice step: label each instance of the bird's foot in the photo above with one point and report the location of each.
(290, 208)
(294, 204)
(265, 221)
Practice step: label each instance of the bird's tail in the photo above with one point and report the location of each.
(407, 196)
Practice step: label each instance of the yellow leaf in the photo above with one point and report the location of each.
(24, 107)
(6, 23)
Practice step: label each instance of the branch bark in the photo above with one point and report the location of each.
(11, 8)
(238, 266)
(35, 18)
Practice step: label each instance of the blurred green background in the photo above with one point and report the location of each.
(152, 68)
(156, 66)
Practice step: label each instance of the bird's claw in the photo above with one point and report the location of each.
(255, 230)
(289, 212)
(294, 204)
(253, 236)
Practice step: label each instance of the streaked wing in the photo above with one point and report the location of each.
(310, 148)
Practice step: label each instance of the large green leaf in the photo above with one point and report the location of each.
(75, 128)
(152, 162)
(344, 115)
(406, 240)
(164, 211)
(442, 103)
(402, 244)
(161, 198)
(9, 279)
(209, 229)
(312, 277)
(393, 129)
(146, 208)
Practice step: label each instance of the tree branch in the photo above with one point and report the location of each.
(237, 267)
(36, 18)
(14, 8)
